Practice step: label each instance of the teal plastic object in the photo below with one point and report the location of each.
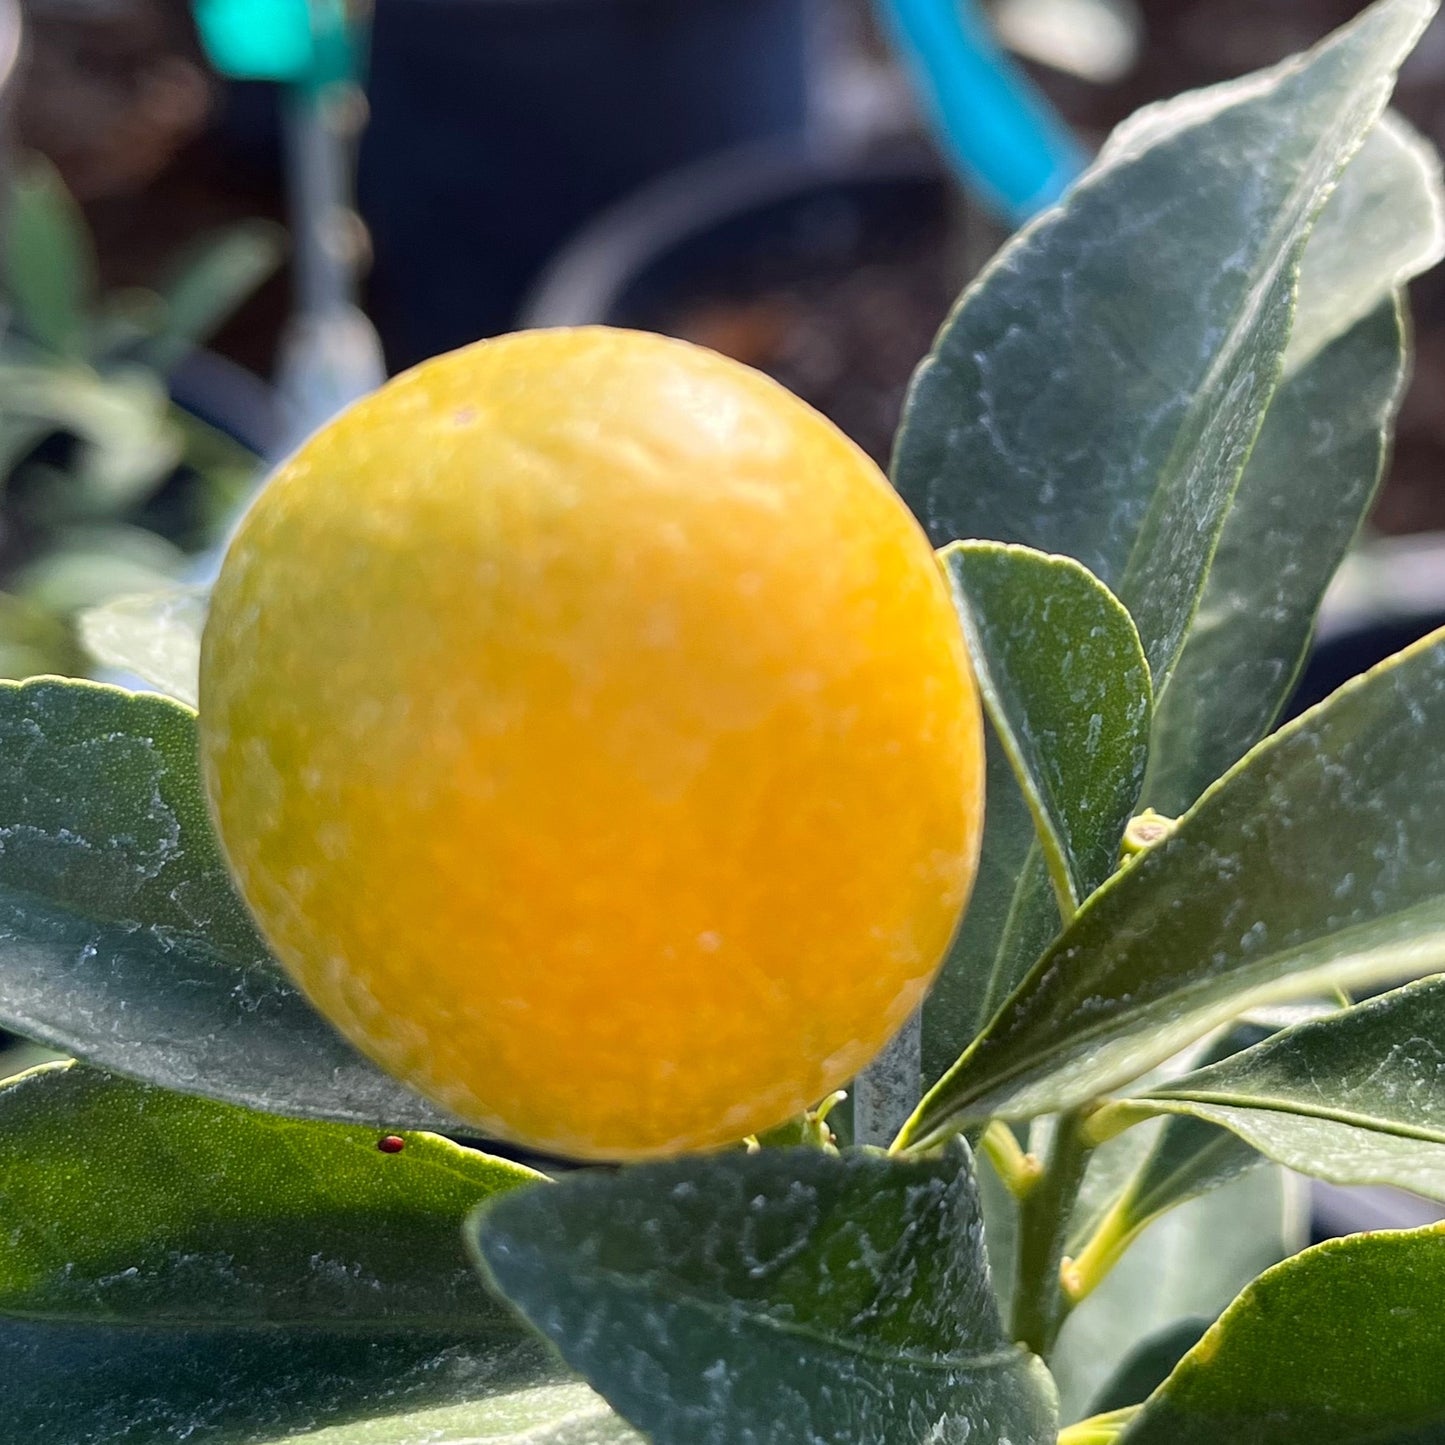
(1007, 143)
(296, 42)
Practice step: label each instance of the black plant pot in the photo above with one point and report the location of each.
(828, 269)
(1390, 594)
(498, 126)
(233, 400)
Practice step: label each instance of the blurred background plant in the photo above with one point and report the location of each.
(107, 486)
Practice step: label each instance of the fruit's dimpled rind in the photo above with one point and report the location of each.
(588, 726)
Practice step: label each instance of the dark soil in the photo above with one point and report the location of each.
(843, 331)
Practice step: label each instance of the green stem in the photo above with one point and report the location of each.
(1039, 1303)
(1019, 1171)
(1116, 1232)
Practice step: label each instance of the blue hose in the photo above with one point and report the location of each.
(1010, 148)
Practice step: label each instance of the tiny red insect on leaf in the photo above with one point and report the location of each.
(392, 1144)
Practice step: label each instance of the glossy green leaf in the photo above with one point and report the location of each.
(785, 1295)
(1314, 469)
(1356, 1098)
(1318, 861)
(1342, 1344)
(208, 284)
(1314, 466)
(1000, 1212)
(1188, 1158)
(1012, 917)
(1068, 690)
(49, 262)
(124, 1202)
(1187, 1265)
(1384, 225)
(1310, 480)
(1183, 1158)
(155, 635)
(86, 1385)
(1169, 286)
(1013, 914)
(122, 941)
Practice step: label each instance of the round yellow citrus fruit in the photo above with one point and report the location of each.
(589, 729)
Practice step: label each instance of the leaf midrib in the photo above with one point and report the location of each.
(729, 1317)
(1279, 1105)
(1284, 245)
(1278, 964)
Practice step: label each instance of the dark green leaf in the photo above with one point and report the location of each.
(1313, 471)
(1342, 1344)
(1318, 861)
(1311, 475)
(123, 1202)
(1325, 431)
(1068, 690)
(1381, 224)
(1188, 1264)
(1188, 1158)
(1012, 916)
(122, 941)
(1182, 1159)
(79, 1385)
(1356, 1098)
(1013, 913)
(49, 261)
(1310, 480)
(777, 1296)
(1168, 285)
(155, 635)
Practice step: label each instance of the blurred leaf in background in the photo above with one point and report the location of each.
(106, 485)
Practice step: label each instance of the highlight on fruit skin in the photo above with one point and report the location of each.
(588, 727)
